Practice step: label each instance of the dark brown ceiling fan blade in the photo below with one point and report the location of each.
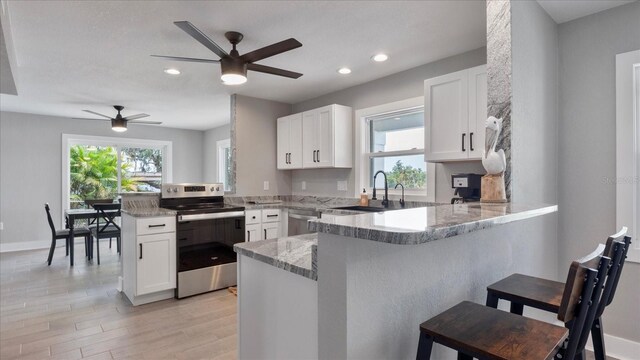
(95, 113)
(134, 117)
(179, 58)
(273, 71)
(138, 122)
(271, 50)
(201, 37)
(91, 119)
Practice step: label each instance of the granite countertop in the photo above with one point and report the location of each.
(295, 254)
(149, 212)
(421, 225)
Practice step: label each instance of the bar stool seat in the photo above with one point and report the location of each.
(530, 291)
(487, 333)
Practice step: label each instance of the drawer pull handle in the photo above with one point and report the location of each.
(275, 215)
(248, 235)
(265, 234)
(140, 252)
(158, 225)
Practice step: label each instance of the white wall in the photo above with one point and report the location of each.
(403, 85)
(210, 151)
(256, 142)
(587, 148)
(31, 167)
(534, 118)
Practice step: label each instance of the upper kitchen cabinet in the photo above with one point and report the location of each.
(455, 109)
(325, 142)
(290, 142)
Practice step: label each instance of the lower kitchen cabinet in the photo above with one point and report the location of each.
(148, 258)
(262, 224)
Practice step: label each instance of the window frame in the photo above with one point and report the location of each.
(69, 140)
(627, 180)
(220, 146)
(363, 153)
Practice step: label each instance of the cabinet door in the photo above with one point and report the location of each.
(446, 117)
(156, 263)
(325, 137)
(309, 138)
(295, 142)
(284, 145)
(477, 110)
(271, 230)
(252, 232)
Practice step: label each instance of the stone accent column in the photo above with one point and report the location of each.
(499, 75)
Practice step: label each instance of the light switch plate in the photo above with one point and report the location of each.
(266, 185)
(342, 185)
(303, 185)
(1, 226)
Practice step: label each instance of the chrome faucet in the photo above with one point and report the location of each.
(385, 200)
(402, 198)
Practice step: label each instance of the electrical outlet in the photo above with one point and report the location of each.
(1, 225)
(303, 185)
(342, 185)
(266, 185)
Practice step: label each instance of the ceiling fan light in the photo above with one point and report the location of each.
(118, 125)
(233, 79)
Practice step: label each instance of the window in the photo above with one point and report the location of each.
(627, 180)
(103, 167)
(224, 163)
(390, 138)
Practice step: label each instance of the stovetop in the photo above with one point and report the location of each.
(204, 208)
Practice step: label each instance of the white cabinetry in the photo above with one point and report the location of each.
(262, 224)
(149, 258)
(326, 138)
(455, 109)
(290, 142)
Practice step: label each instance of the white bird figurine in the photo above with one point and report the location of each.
(493, 161)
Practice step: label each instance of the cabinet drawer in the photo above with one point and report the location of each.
(270, 215)
(252, 217)
(156, 225)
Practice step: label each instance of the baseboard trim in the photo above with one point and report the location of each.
(619, 348)
(32, 245)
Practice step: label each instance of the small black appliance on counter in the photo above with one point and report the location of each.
(467, 187)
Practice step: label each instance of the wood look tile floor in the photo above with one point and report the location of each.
(59, 312)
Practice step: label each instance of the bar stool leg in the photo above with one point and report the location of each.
(424, 347)
(492, 300)
(598, 340)
(516, 308)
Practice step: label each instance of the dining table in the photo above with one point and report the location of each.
(71, 216)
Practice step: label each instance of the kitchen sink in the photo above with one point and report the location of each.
(363, 208)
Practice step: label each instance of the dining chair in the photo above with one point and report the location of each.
(483, 332)
(110, 229)
(522, 290)
(64, 234)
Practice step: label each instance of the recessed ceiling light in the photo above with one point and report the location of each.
(172, 71)
(344, 71)
(379, 57)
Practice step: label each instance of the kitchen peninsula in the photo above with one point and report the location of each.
(362, 291)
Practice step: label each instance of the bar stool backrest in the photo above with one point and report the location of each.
(107, 212)
(580, 298)
(617, 248)
(51, 225)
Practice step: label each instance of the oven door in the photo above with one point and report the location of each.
(206, 260)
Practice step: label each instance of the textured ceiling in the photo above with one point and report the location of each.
(74, 55)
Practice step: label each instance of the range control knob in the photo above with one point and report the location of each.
(168, 190)
(217, 188)
(212, 189)
(175, 190)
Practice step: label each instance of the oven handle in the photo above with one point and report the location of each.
(221, 215)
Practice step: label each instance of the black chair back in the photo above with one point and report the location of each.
(51, 225)
(108, 212)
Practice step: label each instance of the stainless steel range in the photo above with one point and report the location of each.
(207, 229)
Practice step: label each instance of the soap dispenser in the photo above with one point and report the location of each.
(364, 198)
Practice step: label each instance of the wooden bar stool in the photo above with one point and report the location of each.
(545, 294)
(486, 333)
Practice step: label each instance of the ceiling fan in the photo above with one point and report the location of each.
(119, 123)
(234, 66)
